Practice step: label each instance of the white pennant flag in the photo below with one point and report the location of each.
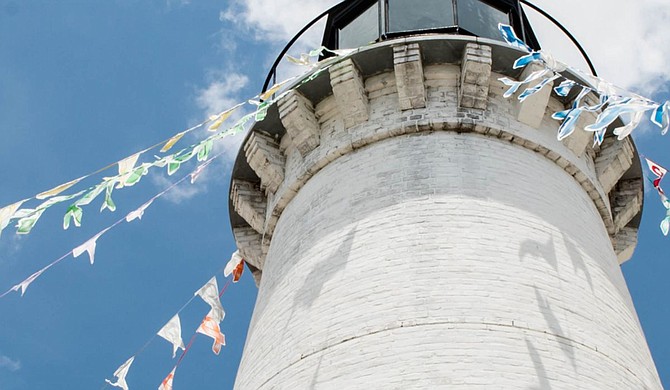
(23, 286)
(167, 382)
(89, 247)
(235, 260)
(137, 214)
(120, 375)
(210, 327)
(172, 333)
(210, 294)
(127, 165)
(7, 212)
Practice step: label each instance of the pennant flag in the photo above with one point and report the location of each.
(613, 111)
(167, 382)
(210, 294)
(204, 148)
(135, 176)
(23, 286)
(57, 190)
(210, 327)
(74, 213)
(531, 91)
(91, 195)
(172, 333)
(659, 172)
(121, 373)
(137, 214)
(172, 141)
(510, 37)
(126, 165)
(108, 203)
(235, 266)
(564, 88)
(27, 223)
(195, 174)
(661, 117)
(89, 247)
(514, 85)
(665, 224)
(624, 131)
(274, 89)
(7, 212)
(222, 117)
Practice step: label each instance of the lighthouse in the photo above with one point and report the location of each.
(408, 227)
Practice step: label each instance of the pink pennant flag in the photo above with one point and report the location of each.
(195, 174)
(659, 171)
(210, 327)
(167, 382)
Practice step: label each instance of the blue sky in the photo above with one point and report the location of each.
(84, 83)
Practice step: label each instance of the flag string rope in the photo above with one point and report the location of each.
(129, 174)
(24, 285)
(193, 337)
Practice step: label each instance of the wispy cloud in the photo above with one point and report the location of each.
(184, 191)
(9, 363)
(222, 91)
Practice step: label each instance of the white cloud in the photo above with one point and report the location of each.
(275, 20)
(625, 39)
(9, 364)
(182, 192)
(222, 92)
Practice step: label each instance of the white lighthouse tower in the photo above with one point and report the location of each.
(410, 228)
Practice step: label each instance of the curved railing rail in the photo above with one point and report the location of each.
(272, 75)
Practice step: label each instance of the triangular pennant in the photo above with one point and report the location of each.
(172, 333)
(235, 260)
(7, 212)
(57, 190)
(217, 120)
(74, 213)
(121, 374)
(172, 141)
(89, 247)
(659, 172)
(126, 165)
(274, 89)
(23, 286)
(137, 214)
(210, 294)
(210, 327)
(195, 174)
(167, 382)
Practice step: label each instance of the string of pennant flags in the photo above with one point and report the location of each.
(130, 173)
(614, 102)
(172, 332)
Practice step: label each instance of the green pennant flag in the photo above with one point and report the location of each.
(204, 149)
(108, 203)
(74, 213)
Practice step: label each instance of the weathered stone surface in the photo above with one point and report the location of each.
(613, 160)
(297, 115)
(250, 203)
(475, 76)
(265, 158)
(349, 92)
(409, 76)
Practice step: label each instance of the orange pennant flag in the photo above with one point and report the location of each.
(210, 327)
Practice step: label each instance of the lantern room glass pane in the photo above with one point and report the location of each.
(362, 30)
(480, 18)
(410, 15)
